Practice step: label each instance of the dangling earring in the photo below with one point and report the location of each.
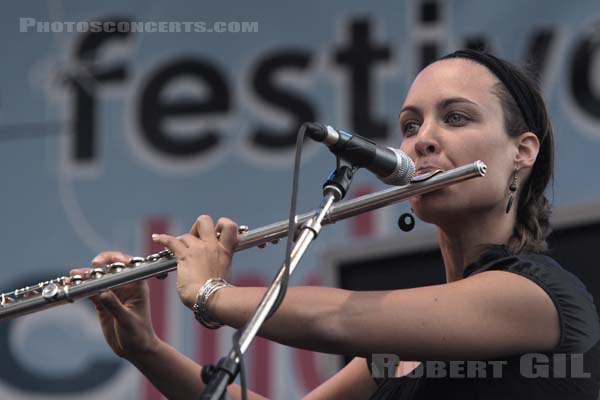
(406, 222)
(513, 189)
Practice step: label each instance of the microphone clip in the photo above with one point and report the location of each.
(340, 179)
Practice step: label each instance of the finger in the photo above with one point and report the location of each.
(79, 271)
(194, 228)
(83, 272)
(108, 257)
(111, 303)
(170, 242)
(97, 303)
(204, 228)
(107, 321)
(188, 240)
(229, 234)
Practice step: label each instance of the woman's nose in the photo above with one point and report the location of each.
(426, 142)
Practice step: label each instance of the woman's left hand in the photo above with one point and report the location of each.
(201, 255)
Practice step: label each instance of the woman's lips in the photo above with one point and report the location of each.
(426, 170)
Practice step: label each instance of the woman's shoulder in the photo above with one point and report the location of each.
(580, 325)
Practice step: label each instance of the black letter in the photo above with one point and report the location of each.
(264, 85)
(581, 74)
(153, 110)
(539, 50)
(360, 55)
(84, 83)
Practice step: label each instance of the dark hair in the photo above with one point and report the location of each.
(524, 111)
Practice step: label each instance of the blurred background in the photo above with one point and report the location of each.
(185, 108)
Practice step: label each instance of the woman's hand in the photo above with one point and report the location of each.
(201, 255)
(124, 312)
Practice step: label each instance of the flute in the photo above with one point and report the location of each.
(65, 289)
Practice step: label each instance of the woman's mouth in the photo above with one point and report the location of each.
(427, 170)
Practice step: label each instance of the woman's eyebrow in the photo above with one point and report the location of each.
(446, 102)
(440, 105)
(414, 109)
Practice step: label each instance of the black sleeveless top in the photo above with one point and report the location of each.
(570, 371)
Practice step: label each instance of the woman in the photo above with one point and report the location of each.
(503, 300)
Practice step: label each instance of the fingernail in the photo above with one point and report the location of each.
(154, 236)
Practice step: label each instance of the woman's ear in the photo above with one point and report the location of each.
(528, 146)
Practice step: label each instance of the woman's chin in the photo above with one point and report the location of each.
(433, 199)
(434, 207)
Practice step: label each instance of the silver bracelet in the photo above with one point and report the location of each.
(199, 308)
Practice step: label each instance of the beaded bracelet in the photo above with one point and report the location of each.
(199, 308)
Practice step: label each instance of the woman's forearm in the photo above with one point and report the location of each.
(172, 373)
(308, 317)
(175, 375)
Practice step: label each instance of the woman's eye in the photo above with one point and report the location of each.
(410, 128)
(456, 119)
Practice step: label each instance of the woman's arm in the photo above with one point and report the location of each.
(491, 314)
(124, 316)
(175, 375)
(488, 315)
(181, 380)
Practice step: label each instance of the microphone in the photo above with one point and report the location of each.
(391, 166)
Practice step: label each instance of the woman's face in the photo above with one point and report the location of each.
(452, 117)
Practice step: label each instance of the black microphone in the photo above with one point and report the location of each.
(391, 166)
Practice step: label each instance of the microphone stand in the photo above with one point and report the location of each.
(218, 377)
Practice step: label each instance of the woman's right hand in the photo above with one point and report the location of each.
(124, 312)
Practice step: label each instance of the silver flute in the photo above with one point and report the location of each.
(65, 289)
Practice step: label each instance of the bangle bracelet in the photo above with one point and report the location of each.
(200, 310)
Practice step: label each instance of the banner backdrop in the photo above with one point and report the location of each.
(121, 119)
